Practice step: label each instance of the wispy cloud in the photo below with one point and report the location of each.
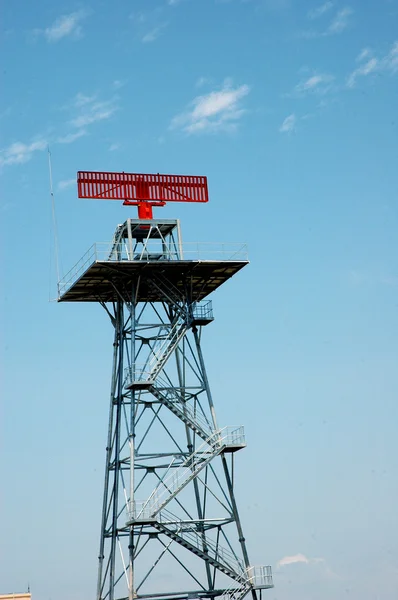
(364, 54)
(149, 25)
(340, 21)
(369, 64)
(291, 560)
(85, 110)
(318, 564)
(289, 124)
(65, 184)
(64, 26)
(114, 147)
(154, 33)
(71, 137)
(390, 62)
(81, 100)
(319, 83)
(319, 11)
(217, 111)
(20, 152)
(119, 83)
(92, 110)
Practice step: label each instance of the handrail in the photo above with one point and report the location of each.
(179, 478)
(192, 535)
(184, 409)
(111, 252)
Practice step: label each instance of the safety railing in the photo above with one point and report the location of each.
(179, 477)
(163, 347)
(238, 589)
(260, 576)
(203, 311)
(184, 410)
(189, 533)
(232, 436)
(254, 577)
(107, 251)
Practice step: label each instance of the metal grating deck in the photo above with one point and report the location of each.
(101, 279)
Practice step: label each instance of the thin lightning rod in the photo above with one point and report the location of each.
(53, 215)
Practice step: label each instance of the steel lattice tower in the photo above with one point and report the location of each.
(170, 525)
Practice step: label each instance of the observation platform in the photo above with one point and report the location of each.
(144, 251)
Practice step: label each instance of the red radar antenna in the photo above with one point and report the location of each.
(144, 191)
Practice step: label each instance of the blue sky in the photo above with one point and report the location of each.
(290, 109)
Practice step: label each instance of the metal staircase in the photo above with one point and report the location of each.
(170, 293)
(189, 536)
(237, 593)
(254, 578)
(228, 438)
(168, 340)
(165, 344)
(170, 397)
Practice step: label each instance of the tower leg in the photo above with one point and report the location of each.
(169, 504)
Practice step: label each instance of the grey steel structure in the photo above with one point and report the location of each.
(170, 525)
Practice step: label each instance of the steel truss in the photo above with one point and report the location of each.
(170, 524)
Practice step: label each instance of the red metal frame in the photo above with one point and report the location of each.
(142, 190)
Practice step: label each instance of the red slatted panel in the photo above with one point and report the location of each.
(137, 187)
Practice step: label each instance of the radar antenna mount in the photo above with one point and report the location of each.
(142, 190)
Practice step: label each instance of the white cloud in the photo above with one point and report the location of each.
(64, 26)
(19, 152)
(365, 53)
(87, 109)
(119, 83)
(291, 560)
(289, 124)
(319, 83)
(148, 25)
(216, 111)
(114, 147)
(315, 13)
(366, 69)
(153, 34)
(81, 100)
(387, 63)
(390, 62)
(65, 184)
(341, 21)
(93, 111)
(71, 137)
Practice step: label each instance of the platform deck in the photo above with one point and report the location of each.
(103, 279)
